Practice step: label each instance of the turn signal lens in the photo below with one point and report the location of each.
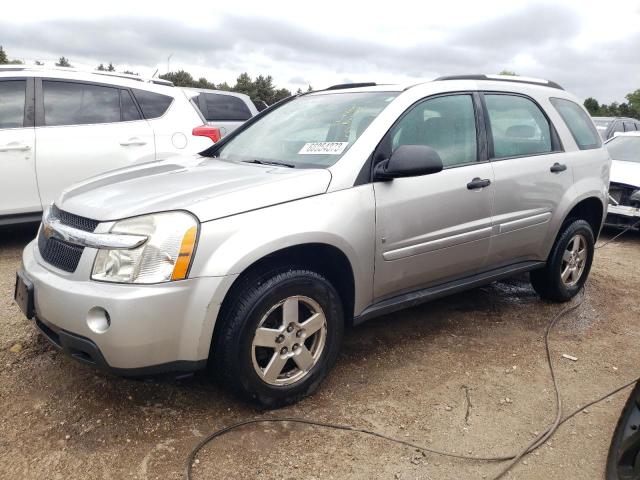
(184, 257)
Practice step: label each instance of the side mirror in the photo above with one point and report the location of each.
(409, 161)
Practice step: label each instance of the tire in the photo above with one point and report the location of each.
(264, 331)
(623, 460)
(548, 282)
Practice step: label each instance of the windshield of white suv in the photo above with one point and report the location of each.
(625, 148)
(311, 131)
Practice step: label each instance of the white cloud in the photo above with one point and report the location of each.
(589, 47)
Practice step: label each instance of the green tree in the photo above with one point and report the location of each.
(634, 103)
(179, 78)
(508, 72)
(281, 94)
(204, 83)
(263, 89)
(111, 68)
(592, 106)
(129, 72)
(299, 91)
(63, 62)
(244, 84)
(39, 63)
(224, 86)
(3, 56)
(309, 88)
(101, 68)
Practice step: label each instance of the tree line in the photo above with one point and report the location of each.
(630, 108)
(262, 89)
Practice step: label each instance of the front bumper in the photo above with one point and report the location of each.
(153, 328)
(622, 216)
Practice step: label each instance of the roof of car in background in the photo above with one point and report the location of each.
(623, 134)
(114, 78)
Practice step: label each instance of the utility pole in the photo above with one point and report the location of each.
(169, 63)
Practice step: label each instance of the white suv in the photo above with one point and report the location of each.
(60, 126)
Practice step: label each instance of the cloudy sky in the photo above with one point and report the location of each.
(591, 48)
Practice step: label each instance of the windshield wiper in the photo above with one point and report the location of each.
(270, 162)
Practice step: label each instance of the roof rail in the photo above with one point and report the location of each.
(351, 85)
(40, 68)
(504, 78)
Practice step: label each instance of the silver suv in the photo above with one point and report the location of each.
(324, 211)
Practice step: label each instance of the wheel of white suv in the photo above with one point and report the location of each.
(568, 264)
(280, 334)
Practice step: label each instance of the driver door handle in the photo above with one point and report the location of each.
(558, 167)
(15, 147)
(478, 183)
(132, 142)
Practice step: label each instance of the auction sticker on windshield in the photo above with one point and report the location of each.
(323, 148)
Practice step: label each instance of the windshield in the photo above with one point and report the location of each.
(311, 131)
(626, 149)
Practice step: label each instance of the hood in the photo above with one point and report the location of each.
(207, 187)
(625, 172)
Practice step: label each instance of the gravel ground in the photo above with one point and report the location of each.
(465, 374)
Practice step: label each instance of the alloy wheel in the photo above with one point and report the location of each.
(574, 260)
(289, 340)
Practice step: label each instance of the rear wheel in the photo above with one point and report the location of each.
(568, 264)
(279, 337)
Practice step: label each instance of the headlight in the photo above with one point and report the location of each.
(165, 256)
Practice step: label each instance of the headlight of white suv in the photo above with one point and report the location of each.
(165, 256)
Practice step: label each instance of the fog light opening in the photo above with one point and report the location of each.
(98, 320)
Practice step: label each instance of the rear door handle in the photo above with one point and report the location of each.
(16, 147)
(132, 142)
(558, 167)
(478, 183)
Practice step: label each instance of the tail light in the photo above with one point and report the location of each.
(206, 131)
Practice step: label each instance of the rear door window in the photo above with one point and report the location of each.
(629, 127)
(129, 109)
(578, 122)
(68, 103)
(220, 108)
(12, 99)
(153, 104)
(518, 126)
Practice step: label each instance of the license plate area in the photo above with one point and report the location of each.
(23, 295)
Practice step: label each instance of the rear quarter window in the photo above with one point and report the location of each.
(220, 108)
(153, 105)
(578, 122)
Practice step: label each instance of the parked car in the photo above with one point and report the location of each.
(623, 460)
(222, 109)
(84, 124)
(624, 190)
(329, 209)
(610, 126)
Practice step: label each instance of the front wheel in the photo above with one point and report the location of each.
(568, 264)
(279, 337)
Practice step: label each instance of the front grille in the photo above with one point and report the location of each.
(58, 253)
(75, 221)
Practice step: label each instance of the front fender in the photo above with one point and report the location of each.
(343, 219)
